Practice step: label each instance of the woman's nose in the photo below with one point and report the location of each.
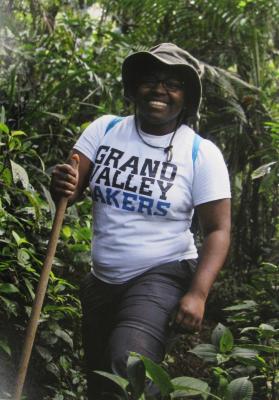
(160, 86)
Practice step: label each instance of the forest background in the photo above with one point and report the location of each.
(60, 68)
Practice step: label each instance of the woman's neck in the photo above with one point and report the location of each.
(157, 129)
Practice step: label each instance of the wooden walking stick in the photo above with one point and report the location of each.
(40, 293)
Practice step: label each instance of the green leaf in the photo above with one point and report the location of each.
(185, 385)
(217, 334)
(206, 352)
(136, 375)
(55, 115)
(240, 389)
(5, 347)
(262, 170)
(49, 200)
(19, 240)
(79, 247)
(19, 174)
(226, 341)
(244, 352)
(158, 375)
(64, 336)
(53, 368)
(267, 331)
(18, 133)
(67, 232)
(2, 115)
(23, 256)
(4, 128)
(245, 305)
(30, 288)
(257, 361)
(34, 202)
(11, 307)
(123, 383)
(222, 358)
(8, 288)
(64, 362)
(44, 353)
(261, 348)
(249, 329)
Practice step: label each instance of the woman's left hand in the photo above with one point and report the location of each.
(190, 313)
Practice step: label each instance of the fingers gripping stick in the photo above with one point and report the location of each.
(41, 290)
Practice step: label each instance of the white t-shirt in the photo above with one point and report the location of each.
(143, 205)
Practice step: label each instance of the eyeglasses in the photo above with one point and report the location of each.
(170, 84)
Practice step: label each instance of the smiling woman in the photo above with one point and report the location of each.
(159, 99)
(147, 173)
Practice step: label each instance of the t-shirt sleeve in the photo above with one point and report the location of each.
(211, 179)
(91, 137)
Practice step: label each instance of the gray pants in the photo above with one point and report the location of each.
(133, 316)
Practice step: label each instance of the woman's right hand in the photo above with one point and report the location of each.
(64, 179)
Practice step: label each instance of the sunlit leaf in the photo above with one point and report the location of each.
(263, 170)
(19, 174)
(4, 128)
(67, 232)
(19, 240)
(18, 133)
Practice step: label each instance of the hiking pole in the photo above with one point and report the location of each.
(40, 293)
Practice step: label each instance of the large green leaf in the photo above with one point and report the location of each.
(62, 334)
(222, 338)
(240, 389)
(207, 352)
(158, 375)
(262, 170)
(123, 383)
(187, 386)
(267, 330)
(19, 174)
(226, 341)
(261, 348)
(244, 352)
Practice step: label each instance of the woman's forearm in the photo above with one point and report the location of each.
(212, 257)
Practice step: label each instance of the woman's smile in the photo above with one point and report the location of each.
(157, 104)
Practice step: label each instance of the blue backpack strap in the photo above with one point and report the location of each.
(196, 144)
(112, 123)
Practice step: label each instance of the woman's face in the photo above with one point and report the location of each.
(159, 98)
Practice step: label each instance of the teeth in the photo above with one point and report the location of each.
(157, 103)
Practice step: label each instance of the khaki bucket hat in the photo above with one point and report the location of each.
(166, 54)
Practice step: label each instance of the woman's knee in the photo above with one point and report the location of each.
(125, 340)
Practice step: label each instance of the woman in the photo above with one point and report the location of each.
(147, 173)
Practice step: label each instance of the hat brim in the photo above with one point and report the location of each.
(138, 63)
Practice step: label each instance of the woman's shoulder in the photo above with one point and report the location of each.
(103, 124)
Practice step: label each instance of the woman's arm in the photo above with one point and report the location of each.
(215, 221)
(70, 182)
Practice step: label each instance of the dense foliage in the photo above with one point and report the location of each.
(59, 69)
